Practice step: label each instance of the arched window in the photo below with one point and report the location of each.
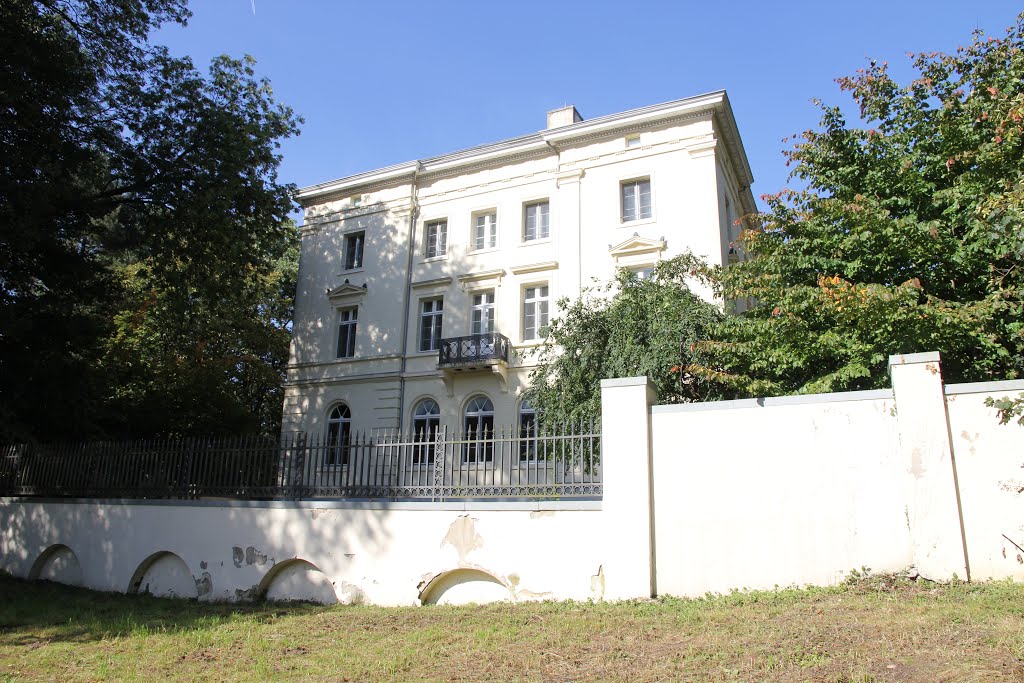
(527, 431)
(339, 435)
(479, 428)
(426, 420)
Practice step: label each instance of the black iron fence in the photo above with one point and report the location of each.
(505, 463)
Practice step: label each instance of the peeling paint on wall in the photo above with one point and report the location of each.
(253, 556)
(247, 595)
(204, 584)
(916, 463)
(350, 594)
(426, 579)
(597, 584)
(532, 596)
(237, 556)
(463, 537)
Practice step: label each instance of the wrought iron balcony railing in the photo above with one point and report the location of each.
(482, 349)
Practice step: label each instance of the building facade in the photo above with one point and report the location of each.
(424, 286)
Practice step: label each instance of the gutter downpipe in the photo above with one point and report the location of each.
(407, 297)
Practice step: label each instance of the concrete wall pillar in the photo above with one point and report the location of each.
(933, 509)
(628, 501)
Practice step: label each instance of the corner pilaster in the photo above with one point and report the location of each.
(627, 501)
(933, 512)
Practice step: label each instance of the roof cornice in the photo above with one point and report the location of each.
(714, 103)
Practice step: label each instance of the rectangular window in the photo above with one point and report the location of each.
(436, 239)
(431, 312)
(536, 221)
(636, 200)
(354, 250)
(347, 332)
(535, 312)
(482, 314)
(528, 432)
(643, 272)
(485, 231)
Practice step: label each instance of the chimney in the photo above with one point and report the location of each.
(563, 117)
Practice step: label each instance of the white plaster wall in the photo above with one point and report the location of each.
(300, 580)
(989, 458)
(166, 577)
(59, 564)
(383, 217)
(766, 492)
(375, 553)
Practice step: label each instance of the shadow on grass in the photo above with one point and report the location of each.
(42, 611)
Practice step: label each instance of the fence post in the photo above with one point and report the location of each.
(933, 514)
(627, 501)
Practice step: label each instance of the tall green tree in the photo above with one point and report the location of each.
(625, 328)
(145, 244)
(907, 235)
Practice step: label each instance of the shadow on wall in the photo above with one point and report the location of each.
(385, 309)
(323, 269)
(59, 564)
(297, 554)
(53, 541)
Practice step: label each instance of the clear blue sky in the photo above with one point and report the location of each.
(383, 82)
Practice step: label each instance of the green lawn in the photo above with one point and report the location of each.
(876, 629)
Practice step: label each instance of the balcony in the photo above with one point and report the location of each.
(488, 351)
(473, 351)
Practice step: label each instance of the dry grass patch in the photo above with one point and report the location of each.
(873, 630)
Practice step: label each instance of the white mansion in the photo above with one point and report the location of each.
(421, 285)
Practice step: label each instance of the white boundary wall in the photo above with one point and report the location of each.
(778, 491)
(991, 479)
(382, 554)
(697, 498)
(800, 490)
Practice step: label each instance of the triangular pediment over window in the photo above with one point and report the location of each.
(636, 247)
(346, 294)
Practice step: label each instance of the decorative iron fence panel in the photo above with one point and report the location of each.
(507, 463)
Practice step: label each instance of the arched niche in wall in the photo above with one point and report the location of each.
(57, 563)
(298, 580)
(465, 586)
(164, 575)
